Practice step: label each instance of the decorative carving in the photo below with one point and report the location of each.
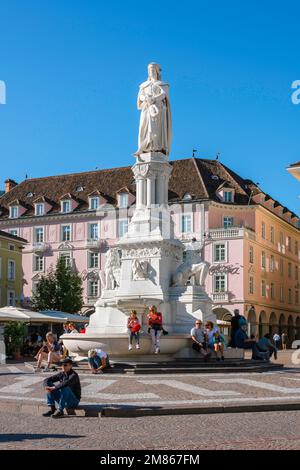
(139, 269)
(151, 252)
(193, 269)
(110, 277)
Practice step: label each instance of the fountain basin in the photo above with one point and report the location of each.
(116, 345)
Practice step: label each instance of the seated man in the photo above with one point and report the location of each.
(244, 342)
(199, 339)
(98, 360)
(50, 352)
(265, 345)
(63, 388)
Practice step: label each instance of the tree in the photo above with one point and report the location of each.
(61, 289)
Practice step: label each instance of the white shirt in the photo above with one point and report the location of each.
(101, 354)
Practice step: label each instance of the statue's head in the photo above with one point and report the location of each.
(154, 71)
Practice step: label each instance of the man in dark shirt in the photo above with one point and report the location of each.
(63, 388)
(235, 324)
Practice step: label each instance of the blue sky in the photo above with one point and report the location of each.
(72, 71)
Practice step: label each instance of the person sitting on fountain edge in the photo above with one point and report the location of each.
(199, 339)
(155, 327)
(63, 388)
(134, 326)
(98, 360)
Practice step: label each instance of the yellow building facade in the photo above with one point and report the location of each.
(272, 277)
(11, 272)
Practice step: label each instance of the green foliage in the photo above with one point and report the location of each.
(61, 289)
(14, 334)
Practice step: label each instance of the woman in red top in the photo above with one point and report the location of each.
(134, 326)
(155, 327)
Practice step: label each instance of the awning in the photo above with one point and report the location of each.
(29, 316)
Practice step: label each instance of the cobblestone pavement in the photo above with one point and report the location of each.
(19, 383)
(280, 430)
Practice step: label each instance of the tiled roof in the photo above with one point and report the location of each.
(12, 237)
(295, 164)
(198, 177)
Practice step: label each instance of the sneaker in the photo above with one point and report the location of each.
(137, 346)
(50, 412)
(218, 359)
(157, 350)
(58, 414)
(129, 347)
(47, 369)
(222, 358)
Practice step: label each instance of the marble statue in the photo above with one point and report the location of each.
(139, 269)
(193, 269)
(155, 131)
(110, 277)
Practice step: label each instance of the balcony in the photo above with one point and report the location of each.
(220, 297)
(40, 247)
(94, 244)
(231, 232)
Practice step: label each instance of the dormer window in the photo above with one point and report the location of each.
(187, 197)
(65, 206)
(14, 212)
(94, 203)
(123, 200)
(39, 209)
(228, 196)
(79, 189)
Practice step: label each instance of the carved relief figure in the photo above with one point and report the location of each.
(193, 269)
(110, 277)
(139, 269)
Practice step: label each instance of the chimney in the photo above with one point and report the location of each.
(9, 184)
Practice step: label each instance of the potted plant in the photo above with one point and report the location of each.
(14, 333)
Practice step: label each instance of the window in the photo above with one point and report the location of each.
(14, 232)
(263, 230)
(220, 252)
(281, 266)
(66, 233)
(227, 222)
(123, 200)
(11, 247)
(272, 291)
(187, 197)
(289, 270)
(39, 209)
(94, 203)
(66, 257)
(11, 270)
(263, 288)
(251, 254)
(281, 238)
(290, 296)
(272, 235)
(228, 196)
(219, 283)
(93, 288)
(11, 298)
(281, 294)
(272, 264)
(186, 223)
(123, 227)
(263, 259)
(39, 234)
(296, 248)
(251, 285)
(296, 297)
(65, 206)
(94, 231)
(296, 273)
(289, 243)
(14, 212)
(93, 260)
(38, 263)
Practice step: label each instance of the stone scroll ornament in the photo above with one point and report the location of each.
(155, 130)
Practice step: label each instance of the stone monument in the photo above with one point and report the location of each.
(148, 266)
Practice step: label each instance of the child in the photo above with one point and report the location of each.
(218, 342)
(134, 327)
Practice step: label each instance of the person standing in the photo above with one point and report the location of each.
(155, 327)
(284, 340)
(134, 326)
(64, 389)
(235, 324)
(276, 339)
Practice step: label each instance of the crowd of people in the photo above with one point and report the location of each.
(207, 340)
